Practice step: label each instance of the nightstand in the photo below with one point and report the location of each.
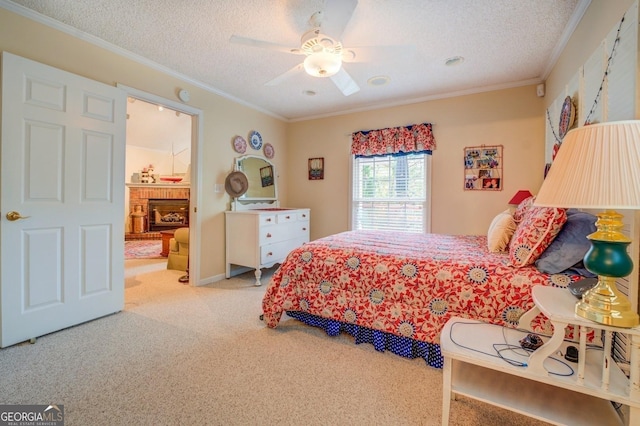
(542, 385)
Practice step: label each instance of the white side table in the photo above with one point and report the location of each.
(543, 385)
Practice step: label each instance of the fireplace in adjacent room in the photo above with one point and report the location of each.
(165, 214)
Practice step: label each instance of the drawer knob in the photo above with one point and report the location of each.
(287, 217)
(268, 219)
(270, 254)
(304, 229)
(268, 235)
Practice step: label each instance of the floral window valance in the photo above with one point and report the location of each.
(393, 140)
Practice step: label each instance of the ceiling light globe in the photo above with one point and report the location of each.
(322, 64)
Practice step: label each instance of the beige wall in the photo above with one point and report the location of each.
(598, 20)
(512, 118)
(223, 119)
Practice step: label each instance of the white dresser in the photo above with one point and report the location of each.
(261, 238)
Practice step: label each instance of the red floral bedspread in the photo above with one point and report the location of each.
(403, 283)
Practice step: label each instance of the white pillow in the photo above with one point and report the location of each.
(500, 232)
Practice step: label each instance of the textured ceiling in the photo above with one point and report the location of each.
(505, 43)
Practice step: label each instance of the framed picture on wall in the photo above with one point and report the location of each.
(316, 168)
(483, 168)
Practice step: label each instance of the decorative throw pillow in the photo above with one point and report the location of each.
(522, 208)
(534, 234)
(569, 247)
(500, 231)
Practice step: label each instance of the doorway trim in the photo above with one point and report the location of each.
(197, 127)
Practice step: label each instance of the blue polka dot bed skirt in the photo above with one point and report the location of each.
(380, 340)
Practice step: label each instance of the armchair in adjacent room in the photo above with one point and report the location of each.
(179, 250)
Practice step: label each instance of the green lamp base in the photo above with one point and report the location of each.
(608, 258)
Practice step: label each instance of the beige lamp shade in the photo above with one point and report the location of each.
(596, 167)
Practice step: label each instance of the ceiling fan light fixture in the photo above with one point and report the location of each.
(322, 64)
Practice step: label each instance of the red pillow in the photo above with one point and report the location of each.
(522, 208)
(534, 234)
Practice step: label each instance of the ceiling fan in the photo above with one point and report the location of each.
(324, 52)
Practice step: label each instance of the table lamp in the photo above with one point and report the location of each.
(598, 167)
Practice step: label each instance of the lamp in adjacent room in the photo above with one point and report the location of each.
(598, 167)
(519, 197)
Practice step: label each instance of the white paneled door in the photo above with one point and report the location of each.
(61, 200)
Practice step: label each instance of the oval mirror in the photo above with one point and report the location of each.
(261, 175)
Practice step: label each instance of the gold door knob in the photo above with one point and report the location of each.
(15, 216)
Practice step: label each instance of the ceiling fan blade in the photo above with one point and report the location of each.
(345, 83)
(378, 53)
(264, 44)
(336, 15)
(285, 76)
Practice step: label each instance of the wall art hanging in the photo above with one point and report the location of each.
(316, 168)
(483, 168)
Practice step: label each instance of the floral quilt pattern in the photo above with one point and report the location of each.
(405, 284)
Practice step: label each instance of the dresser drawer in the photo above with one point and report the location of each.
(276, 253)
(286, 217)
(303, 216)
(282, 232)
(267, 219)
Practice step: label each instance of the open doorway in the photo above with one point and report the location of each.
(161, 179)
(157, 175)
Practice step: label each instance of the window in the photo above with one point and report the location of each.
(390, 192)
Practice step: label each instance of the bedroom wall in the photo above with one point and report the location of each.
(223, 119)
(512, 118)
(601, 16)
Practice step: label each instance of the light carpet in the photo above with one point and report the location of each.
(200, 355)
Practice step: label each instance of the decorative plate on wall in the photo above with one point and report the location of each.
(255, 140)
(567, 116)
(239, 144)
(269, 152)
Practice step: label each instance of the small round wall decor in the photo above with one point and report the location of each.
(239, 144)
(255, 140)
(269, 152)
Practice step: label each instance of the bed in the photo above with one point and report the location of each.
(397, 290)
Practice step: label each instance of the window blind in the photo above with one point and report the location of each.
(390, 192)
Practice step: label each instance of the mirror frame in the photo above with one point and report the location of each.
(238, 166)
